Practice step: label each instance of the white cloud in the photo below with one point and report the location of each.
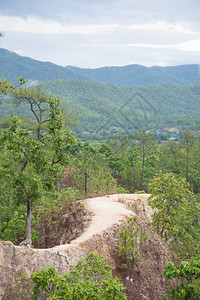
(145, 45)
(94, 34)
(180, 27)
(188, 46)
(35, 25)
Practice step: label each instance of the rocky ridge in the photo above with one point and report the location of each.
(145, 281)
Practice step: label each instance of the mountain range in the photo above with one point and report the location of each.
(113, 99)
(13, 66)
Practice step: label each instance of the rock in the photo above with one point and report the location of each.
(18, 259)
(144, 280)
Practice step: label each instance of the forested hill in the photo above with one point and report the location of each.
(13, 65)
(137, 75)
(104, 108)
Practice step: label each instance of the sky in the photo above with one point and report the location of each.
(97, 33)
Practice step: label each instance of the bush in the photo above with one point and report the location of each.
(90, 279)
(130, 237)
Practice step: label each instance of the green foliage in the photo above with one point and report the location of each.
(13, 65)
(122, 190)
(176, 215)
(47, 216)
(91, 174)
(90, 279)
(19, 149)
(182, 158)
(104, 110)
(130, 236)
(189, 274)
(168, 193)
(31, 159)
(147, 147)
(6, 88)
(140, 75)
(134, 161)
(12, 226)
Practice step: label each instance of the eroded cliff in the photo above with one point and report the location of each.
(144, 281)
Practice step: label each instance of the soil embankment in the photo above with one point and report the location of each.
(144, 281)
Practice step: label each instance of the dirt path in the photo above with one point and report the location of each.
(106, 212)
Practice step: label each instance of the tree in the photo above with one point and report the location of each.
(176, 217)
(182, 158)
(171, 157)
(188, 144)
(113, 150)
(6, 88)
(90, 279)
(37, 100)
(91, 174)
(168, 193)
(20, 153)
(31, 162)
(188, 287)
(130, 237)
(147, 147)
(131, 173)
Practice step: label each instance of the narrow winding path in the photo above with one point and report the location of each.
(106, 211)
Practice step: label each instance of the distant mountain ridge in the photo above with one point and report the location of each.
(137, 75)
(108, 109)
(13, 65)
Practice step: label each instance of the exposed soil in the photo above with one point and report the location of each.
(145, 279)
(61, 228)
(94, 224)
(106, 211)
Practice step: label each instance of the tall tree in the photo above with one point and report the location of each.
(188, 142)
(170, 157)
(147, 146)
(176, 217)
(32, 161)
(91, 174)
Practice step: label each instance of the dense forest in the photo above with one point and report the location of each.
(138, 75)
(103, 109)
(14, 65)
(113, 99)
(107, 108)
(44, 166)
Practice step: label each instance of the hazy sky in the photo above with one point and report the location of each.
(95, 33)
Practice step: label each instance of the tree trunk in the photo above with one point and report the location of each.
(29, 223)
(28, 242)
(187, 162)
(142, 174)
(187, 167)
(86, 178)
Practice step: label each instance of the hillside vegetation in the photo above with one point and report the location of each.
(106, 109)
(138, 75)
(14, 65)
(112, 100)
(44, 169)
